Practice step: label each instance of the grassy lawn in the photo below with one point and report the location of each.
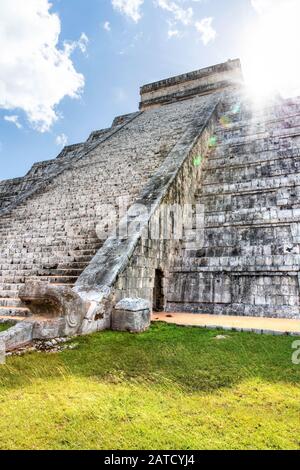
(4, 326)
(170, 388)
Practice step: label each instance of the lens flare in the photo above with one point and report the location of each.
(225, 121)
(212, 141)
(272, 49)
(236, 108)
(198, 160)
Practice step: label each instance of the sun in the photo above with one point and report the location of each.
(272, 54)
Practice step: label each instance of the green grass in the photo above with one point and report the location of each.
(4, 326)
(170, 388)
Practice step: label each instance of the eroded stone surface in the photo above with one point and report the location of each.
(53, 234)
(133, 305)
(16, 336)
(198, 142)
(248, 263)
(61, 311)
(132, 315)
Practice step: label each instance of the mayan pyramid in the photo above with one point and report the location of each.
(196, 143)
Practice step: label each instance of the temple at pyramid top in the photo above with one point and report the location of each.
(199, 82)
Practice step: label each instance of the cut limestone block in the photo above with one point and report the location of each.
(131, 315)
(17, 336)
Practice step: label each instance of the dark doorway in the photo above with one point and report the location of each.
(158, 292)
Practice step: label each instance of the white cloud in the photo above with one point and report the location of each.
(179, 12)
(61, 140)
(107, 26)
(14, 120)
(35, 74)
(83, 43)
(173, 33)
(131, 8)
(267, 6)
(184, 15)
(206, 30)
(136, 39)
(261, 6)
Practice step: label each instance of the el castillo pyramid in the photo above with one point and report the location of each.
(197, 144)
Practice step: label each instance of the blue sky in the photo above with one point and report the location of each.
(113, 50)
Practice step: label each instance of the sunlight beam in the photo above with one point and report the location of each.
(272, 54)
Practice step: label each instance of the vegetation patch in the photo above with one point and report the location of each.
(5, 326)
(169, 388)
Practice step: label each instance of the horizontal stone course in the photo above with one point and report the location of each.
(240, 163)
(248, 260)
(52, 236)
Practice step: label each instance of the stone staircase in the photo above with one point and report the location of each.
(52, 235)
(59, 262)
(248, 186)
(249, 261)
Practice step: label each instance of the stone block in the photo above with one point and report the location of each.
(17, 336)
(131, 315)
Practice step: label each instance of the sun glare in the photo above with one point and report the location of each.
(272, 57)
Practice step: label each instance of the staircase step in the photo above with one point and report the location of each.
(230, 175)
(242, 250)
(10, 302)
(56, 279)
(288, 263)
(15, 312)
(255, 216)
(241, 135)
(14, 320)
(8, 293)
(75, 265)
(252, 185)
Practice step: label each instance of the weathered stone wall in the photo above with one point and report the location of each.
(138, 279)
(245, 259)
(125, 267)
(249, 261)
(11, 191)
(16, 191)
(52, 234)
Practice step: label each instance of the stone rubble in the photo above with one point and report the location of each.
(55, 345)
